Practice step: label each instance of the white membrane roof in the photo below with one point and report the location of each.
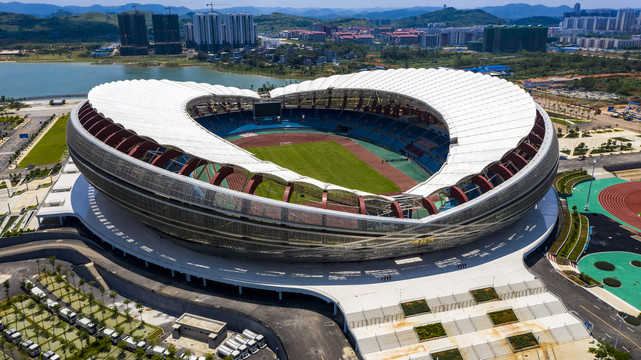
(157, 109)
(488, 116)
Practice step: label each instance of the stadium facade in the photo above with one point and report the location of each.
(157, 149)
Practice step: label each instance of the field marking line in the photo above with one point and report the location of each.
(613, 328)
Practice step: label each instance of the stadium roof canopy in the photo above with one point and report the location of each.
(487, 116)
(157, 109)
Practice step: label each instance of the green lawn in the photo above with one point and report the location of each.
(50, 148)
(327, 161)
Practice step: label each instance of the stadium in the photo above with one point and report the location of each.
(171, 154)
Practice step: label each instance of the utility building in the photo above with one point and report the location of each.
(201, 329)
(166, 34)
(134, 39)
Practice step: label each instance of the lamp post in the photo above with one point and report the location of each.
(619, 331)
(587, 202)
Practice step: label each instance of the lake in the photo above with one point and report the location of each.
(48, 79)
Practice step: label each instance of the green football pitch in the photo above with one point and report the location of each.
(329, 162)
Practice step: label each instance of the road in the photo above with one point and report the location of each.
(305, 325)
(587, 307)
(612, 162)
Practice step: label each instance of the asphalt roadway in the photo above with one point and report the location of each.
(305, 325)
(610, 162)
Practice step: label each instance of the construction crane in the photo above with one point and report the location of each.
(211, 5)
(168, 8)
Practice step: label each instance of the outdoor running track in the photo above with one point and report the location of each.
(623, 201)
(398, 177)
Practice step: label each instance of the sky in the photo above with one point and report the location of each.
(356, 4)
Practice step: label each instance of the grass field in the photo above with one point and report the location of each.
(330, 162)
(50, 148)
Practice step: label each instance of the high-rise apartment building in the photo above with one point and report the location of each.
(212, 31)
(208, 31)
(134, 39)
(498, 39)
(240, 29)
(188, 31)
(166, 34)
(626, 19)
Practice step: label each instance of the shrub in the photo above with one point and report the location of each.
(632, 320)
(486, 294)
(612, 282)
(452, 354)
(604, 265)
(503, 317)
(430, 331)
(523, 341)
(636, 263)
(415, 307)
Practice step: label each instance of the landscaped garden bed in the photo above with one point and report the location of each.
(430, 331)
(604, 265)
(632, 320)
(612, 282)
(502, 317)
(452, 354)
(577, 223)
(565, 181)
(415, 307)
(484, 295)
(522, 342)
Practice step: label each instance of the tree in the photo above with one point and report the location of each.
(139, 307)
(6, 285)
(73, 279)
(102, 297)
(139, 353)
(172, 350)
(604, 351)
(112, 295)
(52, 261)
(574, 208)
(81, 283)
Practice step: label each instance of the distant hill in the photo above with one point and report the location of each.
(451, 17)
(519, 11)
(537, 20)
(277, 21)
(43, 10)
(397, 13)
(509, 11)
(74, 28)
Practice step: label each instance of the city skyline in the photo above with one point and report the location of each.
(356, 4)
